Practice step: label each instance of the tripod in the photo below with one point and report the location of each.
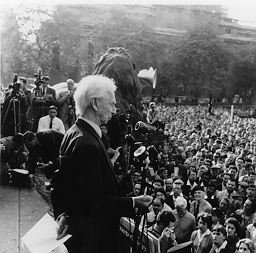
(13, 104)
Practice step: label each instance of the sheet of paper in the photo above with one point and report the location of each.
(41, 238)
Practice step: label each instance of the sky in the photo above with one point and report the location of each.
(244, 10)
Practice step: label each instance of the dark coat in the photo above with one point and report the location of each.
(86, 189)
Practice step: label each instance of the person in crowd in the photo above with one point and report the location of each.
(228, 192)
(14, 109)
(66, 105)
(163, 220)
(233, 230)
(185, 222)
(135, 192)
(245, 246)
(168, 186)
(202, 238)
(199, 205)
(43, 150)
(42, 97)
(14, 155)
(87, 169)
(220, 243)
(153, 114)
(160, 193)
(176, 192)
(251, 231)
(157, 207)
(51, 121)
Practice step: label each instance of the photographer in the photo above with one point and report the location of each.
(14, 109)
(43, 97)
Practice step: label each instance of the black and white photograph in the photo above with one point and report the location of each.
(128, 127)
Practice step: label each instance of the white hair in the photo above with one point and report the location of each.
(91, 87)
(180, 201)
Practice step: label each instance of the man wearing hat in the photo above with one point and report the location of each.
(199, 205)
(50, 121)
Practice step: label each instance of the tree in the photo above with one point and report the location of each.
(200, 63)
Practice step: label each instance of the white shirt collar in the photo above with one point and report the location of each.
(93, 125)
(223, 246)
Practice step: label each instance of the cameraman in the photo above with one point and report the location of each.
(43, 97)
(14, 109)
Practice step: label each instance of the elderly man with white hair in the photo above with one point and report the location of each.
(185, 222)
(85, 196)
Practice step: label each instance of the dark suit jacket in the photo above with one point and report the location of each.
(86, 189)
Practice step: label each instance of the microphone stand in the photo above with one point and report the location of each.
(138, 216)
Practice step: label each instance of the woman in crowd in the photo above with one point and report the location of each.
(220, 244)
(202, 238)
(245, 246)
(233, 230)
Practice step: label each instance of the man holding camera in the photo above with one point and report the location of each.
(42, 101)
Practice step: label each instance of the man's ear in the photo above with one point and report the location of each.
(94, 104)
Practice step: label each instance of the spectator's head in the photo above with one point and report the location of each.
(160, 193)
(104, 129)
(251, 192)
(70, 84)
(177, 189)
(204, 221)
(95, 98)
(158, 184)
(30, 139)
(52, 111)
(180, 205)
(245, 245)
(164, 218)
(199, 193)
(224, 204)
(18, 140)
(46, 81)
(168, 184)
(226, 177)
(232, 227)
(157, 205)
(219, 235)
(136, 189)
(231, 185)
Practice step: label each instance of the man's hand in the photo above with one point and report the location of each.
(63, 226)
(143, 201)
(115, 153)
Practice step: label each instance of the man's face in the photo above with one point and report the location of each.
(225, 179)
(176, 190)
(199, 195)
(168, 184)
(232, 173)
(238, 201)
(157, 206)
(52, 113)
(231, 185)
(160, 195)
(70, 85)
(32, 143)
(192, 176)
(136, 189)
(218, 238)
(106, 107)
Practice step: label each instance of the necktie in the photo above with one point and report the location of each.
(196, 209)
(50, 126)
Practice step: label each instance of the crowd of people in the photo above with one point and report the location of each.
(202, 177)
(204, 182)
(37, 109)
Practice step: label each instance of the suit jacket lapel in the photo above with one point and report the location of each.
(85, 126)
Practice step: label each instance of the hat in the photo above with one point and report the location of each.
(178, 181)
(198, 188)
(46, 78)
